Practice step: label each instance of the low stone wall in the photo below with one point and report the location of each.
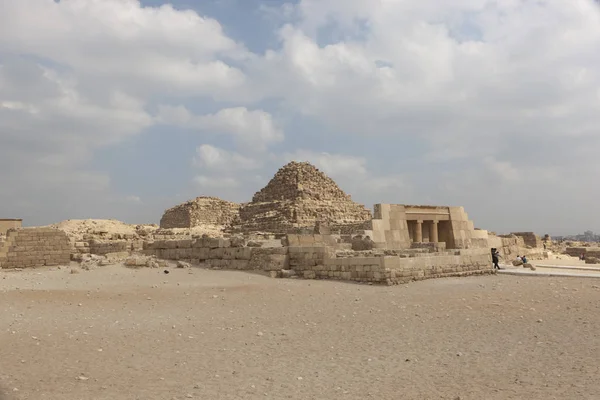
(100, 247)
(578, 251)
(320, 262)
(511, 246)
(591, 253)
(310, 257)
(34, 247)
(310, 240)
(530, 239)
(220, 254)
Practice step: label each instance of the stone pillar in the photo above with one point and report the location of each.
(434, 232)
(419, 232)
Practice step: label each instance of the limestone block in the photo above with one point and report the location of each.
(184, 243)
(229, 253)
(214, 243)
(240, 264)
(200, 242)
(237, 242)
(216, 252)
(268, 259)
(293, 240)
(243, 253)
(306, 240)
(201, 253)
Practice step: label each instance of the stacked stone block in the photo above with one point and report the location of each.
(220, 254)
(35, 247)
(300, 196)
(201, 211)
(315, 257)
(104, 247)
(530, 239)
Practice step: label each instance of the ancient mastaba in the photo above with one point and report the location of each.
(299, 196)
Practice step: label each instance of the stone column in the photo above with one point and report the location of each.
(434, 232)
(419, 232)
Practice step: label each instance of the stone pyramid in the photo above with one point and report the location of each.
(298, 197)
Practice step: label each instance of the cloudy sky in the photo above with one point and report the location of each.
(122, 108)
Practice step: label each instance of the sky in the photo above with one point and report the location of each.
(122, 108)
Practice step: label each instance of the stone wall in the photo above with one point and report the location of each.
(315, 257)
(6, 224)
(592, 252)
(220, 253)
(201, 211)
(34, 247)
(511, 246)
(530, 239)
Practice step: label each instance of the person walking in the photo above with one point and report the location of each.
(495, 258)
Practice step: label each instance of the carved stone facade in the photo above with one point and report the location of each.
(300, 196)
(200, 211)
(399, 226)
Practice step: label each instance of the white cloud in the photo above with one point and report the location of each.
(458, 92)
(147, 50)
(252, 129)
(215, 182)
(133, 199)
(503, 169)
(336, 165)
(214, 158)
(79, 75)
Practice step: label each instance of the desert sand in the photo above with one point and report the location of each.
(117, 333)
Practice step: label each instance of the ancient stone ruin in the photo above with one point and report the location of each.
(399, 226)
(34, 247)
(300, 224)
(200, 211)
(300, 197)
(12, 223)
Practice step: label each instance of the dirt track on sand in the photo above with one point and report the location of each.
(115, 333)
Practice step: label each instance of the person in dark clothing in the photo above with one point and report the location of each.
(495, 258)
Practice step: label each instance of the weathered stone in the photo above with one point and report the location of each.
(200, 211)
(300, 196)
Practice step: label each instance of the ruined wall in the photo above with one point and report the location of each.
(300, 196)
(220, 253)
(6, 224)
(310, 257)
(530, 239)
(34, 247)
(200, 211)
(511, 246)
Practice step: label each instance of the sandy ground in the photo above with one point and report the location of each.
(115, 333)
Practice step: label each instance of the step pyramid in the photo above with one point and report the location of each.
(298, 197)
